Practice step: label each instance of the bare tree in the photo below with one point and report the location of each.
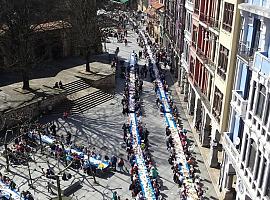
(82, 15)
(19, 27)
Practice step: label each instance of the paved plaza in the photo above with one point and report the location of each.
(100, 128)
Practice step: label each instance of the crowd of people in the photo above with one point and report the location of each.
(143, 133)
(12, 186)
(160, 56)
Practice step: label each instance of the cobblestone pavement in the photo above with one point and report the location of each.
(100, 128)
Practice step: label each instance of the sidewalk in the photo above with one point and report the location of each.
(212, 173)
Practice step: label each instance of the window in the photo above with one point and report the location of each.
(251, 156)
(268, 186)
(267, 112)
(254, 86)
(217, 104)
(188, 24)
(263, 172)
(228, 16)
(256, 170)
(196, 6)
(192, 64)
(186, 51)
(261, 101)
(245, 147)
(222, 62)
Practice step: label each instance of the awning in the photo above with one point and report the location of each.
(156, 5)
(121, 1)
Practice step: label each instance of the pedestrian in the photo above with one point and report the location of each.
(121, 164)
(168, 141)
(49, 187)
(140, 54)
(53, 129)
(114, 197)
(114, 161)
(125, 42)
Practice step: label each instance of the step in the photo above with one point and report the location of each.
(92, 96)
(82, 93)
(76, 86)
(92, 105)
(91, 101)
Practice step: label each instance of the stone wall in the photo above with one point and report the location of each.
(105, 83)
(30, 110)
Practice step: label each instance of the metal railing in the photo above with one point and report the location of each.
(214, 22)
(239, 103)
(246, 52)
(201, 54)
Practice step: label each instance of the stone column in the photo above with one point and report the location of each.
(190, 100)
(205, 134)
(182, 80)
(195, 112)
(186, 87)
(214, 152)
(180, 77)
(229, 192)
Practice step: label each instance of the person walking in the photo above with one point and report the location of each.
(49, 187)
(114, 197)
(121, 164)
(114, 161)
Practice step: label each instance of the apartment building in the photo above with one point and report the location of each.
(246, 167)
(209, 61)
(173, 40)
(184, 62)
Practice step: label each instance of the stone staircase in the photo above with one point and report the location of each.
(81, 97)
(76, 86)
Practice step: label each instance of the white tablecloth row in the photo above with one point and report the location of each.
(145, 182)
(8, 193)
(180, 156)
(98, 163)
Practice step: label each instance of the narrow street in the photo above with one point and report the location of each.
(99, 127)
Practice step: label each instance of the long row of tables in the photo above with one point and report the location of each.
(99, 164)
(144, 178)
(6, 192)
(180, 156)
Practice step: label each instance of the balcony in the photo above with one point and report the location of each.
(262, 63)
(201, 55)
(211, 66)
(204, 18)
(238, 103)
(189, 5)
(230, 148)
(246, 52)
(214, 23)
